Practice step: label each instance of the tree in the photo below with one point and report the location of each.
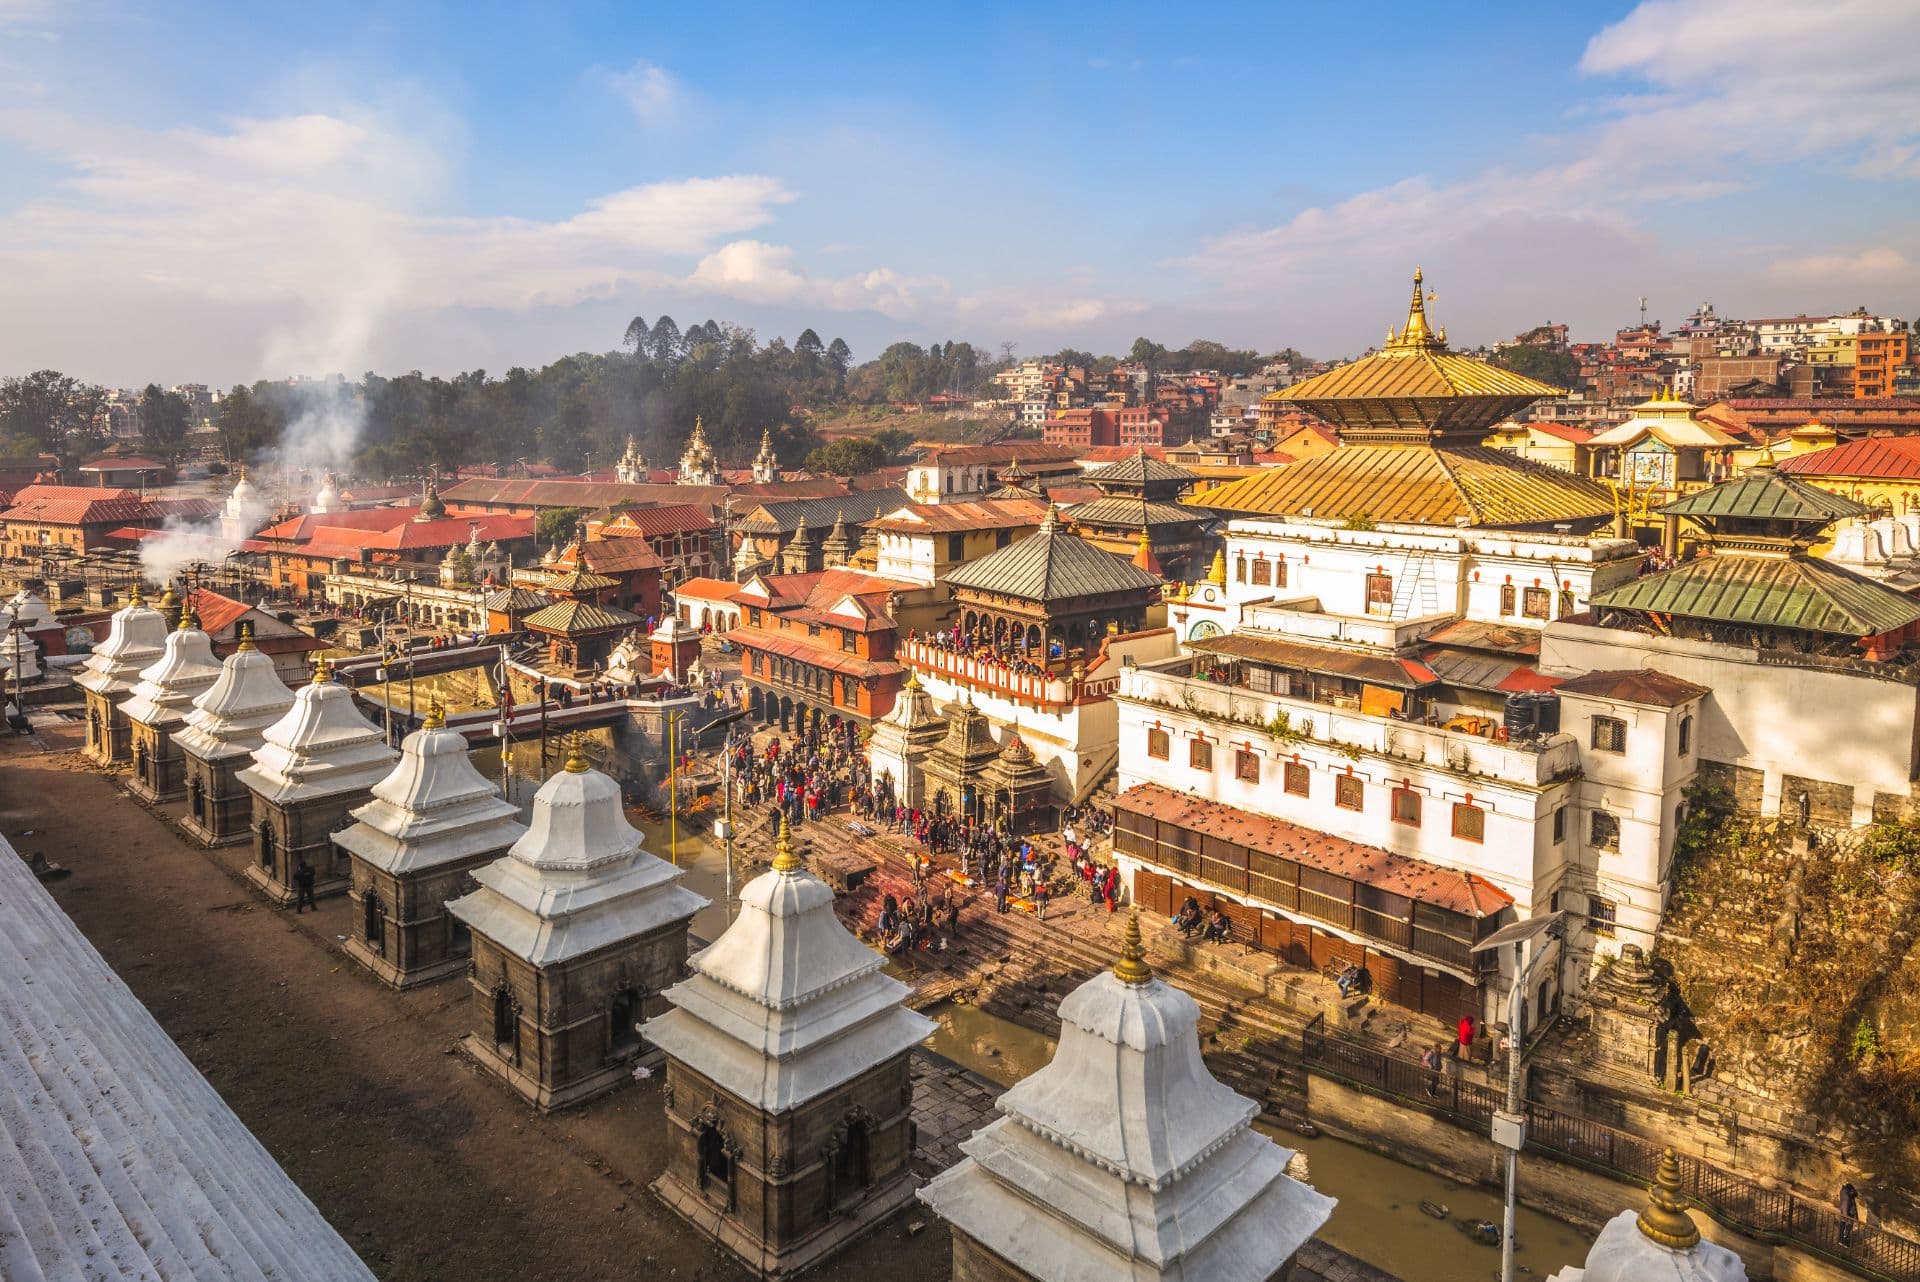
(664, 343)
(163, 417)
(637, 336)
(1562, 369)
(1145, 352)
(55, 411)
(848, 456)
(897, 442)
(242, 423)
(557, 524)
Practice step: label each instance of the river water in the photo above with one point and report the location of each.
(1378, 1220)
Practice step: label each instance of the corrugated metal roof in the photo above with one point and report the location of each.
(944, 518)
(1132, 512)
(1418, 485)
(1637, 685)
(1139, 469)
(1889, 458)
(785, 518)
(1766, 493)
(1375, 669)
(1797, 592)
(1051, 565)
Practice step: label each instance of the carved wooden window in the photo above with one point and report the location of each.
(1200, 754)
(1469, 822)
(1246, 765)
(1294, 778)
(1348, 792)
(1159, 743)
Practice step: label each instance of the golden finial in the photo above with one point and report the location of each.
(784, 860)
(436, 716)
(1217, 572)
(170, 600)
(1666, 1220)
(1416, 333)
(134, 598)
(322, 670)
(913, 679)
(577, 762)
(1132, 968)
(246, 636)
(187, 620)
(1052, 521)
(1145, 544)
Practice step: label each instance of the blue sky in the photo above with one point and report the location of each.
(213, 192)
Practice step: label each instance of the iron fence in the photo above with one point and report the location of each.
(1759, 1210)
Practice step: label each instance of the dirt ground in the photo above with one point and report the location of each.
(429, 1169)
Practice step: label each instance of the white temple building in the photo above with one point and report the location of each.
(159, 705)
(430, 822)
(1659, 1244)
(789, 1102)
(136, 638)
(766, 464)
(117, 1158)
(18, 652)
(245, 507)
(30, 608)
(1124, 1157)
(220, 734)
(697, 464)
(328, 499)
(575, 934)
(314, 765)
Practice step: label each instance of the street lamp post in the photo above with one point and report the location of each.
(1510, 1123)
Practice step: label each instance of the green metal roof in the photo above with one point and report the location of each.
(1765, 494)
(1052, 565)
(1140, 470)
(1132, 512)
(1798, 592)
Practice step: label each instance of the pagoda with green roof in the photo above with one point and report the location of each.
(1758, 583)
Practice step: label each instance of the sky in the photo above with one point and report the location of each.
(218, 192)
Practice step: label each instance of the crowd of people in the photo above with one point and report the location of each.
(1013, 656)
(817, 770)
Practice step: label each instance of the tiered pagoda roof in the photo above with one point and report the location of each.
(1411, 418)
(321, 747)
(136, 639)
(185, 671)
(434, 809)
(1052, 565)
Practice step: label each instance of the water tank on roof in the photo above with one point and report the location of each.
(1520, 714)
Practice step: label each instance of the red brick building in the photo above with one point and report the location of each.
(1131, 426)
(821, 646)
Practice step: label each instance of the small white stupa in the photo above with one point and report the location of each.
(432, 819)
(1124, 1157)
(1659, 1244)
(31, 609)
(243, 510)
(230, 717)
(160, 703)
(135, 640)
(220, 734)
(328, 499)
(185, 671)
(19, 653)
(313, 765)
(902, 739)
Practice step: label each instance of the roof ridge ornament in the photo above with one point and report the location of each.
(1665, 1220)
(1132, 969)
(1417, 334)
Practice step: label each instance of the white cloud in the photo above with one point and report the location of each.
(757, 272)
(650, 91)
(1722, 90)
(1877, 264)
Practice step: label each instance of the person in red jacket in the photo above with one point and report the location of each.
(1465, 1044)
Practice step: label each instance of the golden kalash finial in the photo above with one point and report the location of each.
(169, 600)
(1132, 967)
(577, 762)
(1666, 1220)
(1416, 333)
(436, 716)
(913, 679)
(784, 860)
(322, 670)
(134, 599)
(1051, 522)
(1217, 572)
(246, 636)
(188, 619)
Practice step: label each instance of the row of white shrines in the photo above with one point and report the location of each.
(786, 1047)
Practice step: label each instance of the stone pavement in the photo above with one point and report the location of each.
(950, 1103)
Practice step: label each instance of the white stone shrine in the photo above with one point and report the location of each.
(226, 725)
(159, 705)
(135, 640)
(1658, 1244)
(1125, 1158)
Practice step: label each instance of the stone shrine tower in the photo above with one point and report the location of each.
(137, 639)
(1123, 1158)
(241, 516)
(674, 647)
(313, 766)
(897, 752)
(220, 735)
(789, 1107)
(413, 847)
(631, 468)
(575, 934)
(159, 705)
(697, 464)
(766, 464)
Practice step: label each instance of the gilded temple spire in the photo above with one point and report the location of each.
(1417, 334)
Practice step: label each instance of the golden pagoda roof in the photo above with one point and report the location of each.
(1471, 485)
(1414, 389)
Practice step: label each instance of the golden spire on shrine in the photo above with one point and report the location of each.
(134, 599)
(577, 762)
(1666, 1220)
(322, 670)
(187, 620)
(784, 860)
(1417, 335)
(436, 718)
(1132, 968)
(1217, 572)
(169, 600)
(246, 637)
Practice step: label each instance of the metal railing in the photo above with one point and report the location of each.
(1759, 1210)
